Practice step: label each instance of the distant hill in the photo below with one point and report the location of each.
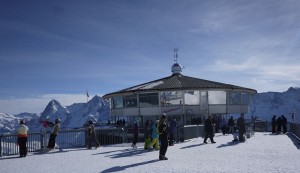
(263, 105)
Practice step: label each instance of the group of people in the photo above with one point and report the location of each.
(237, 131)
(23, 135)
(158, 135)
(279, 124)
(227, 126)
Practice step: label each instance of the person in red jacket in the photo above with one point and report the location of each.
(22, 138)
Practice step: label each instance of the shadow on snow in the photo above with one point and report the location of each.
(122, 168)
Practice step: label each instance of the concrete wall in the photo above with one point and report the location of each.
(191, 131)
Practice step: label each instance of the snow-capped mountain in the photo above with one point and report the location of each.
(73, 116)
(263, 105)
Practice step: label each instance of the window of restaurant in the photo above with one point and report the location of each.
(148, 99)
(130, 101)
(168, 98)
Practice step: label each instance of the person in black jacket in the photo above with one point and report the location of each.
(136, 132)
(279, 124)
(274, 124)
(283, 122)
(240, 124)
(163, 130)
(231, 125)
(209, 131)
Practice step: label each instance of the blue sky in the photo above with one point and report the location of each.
(58, 49)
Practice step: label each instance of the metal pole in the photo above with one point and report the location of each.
(0, 145)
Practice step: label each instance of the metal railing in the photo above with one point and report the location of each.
(265, 126)
(65, 139)
(295, 128)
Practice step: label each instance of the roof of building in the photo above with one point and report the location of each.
(180, 82)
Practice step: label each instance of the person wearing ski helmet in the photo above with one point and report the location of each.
(22, 138)
(55, 130)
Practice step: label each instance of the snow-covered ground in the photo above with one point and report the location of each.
(263, 153)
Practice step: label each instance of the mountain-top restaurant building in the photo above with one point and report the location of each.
(185, 98)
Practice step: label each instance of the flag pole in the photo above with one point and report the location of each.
(87, 96)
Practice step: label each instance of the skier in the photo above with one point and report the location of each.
(163, 129)
(56, 127)
(209, 132)
(22, 138)
(92, 135)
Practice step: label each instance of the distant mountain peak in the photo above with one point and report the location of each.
(52, 107)
(292, 89)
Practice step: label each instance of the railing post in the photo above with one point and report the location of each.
(0, 145)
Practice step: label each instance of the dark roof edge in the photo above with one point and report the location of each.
(226, 87)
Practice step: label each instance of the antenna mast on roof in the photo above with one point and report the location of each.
(175, 54)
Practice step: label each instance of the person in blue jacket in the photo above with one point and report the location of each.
(154, 136)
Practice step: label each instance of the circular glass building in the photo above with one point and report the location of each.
(187, 99)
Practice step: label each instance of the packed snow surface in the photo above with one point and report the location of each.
(262, 153)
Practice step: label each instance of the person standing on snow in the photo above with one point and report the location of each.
(154, 136)
(224, 126)
(92, 135)
(135, 134)
(279, 124)
(163, 130)
(231, 125)
(22, 138)
(284, 122)
(147, 134)
(209, 130)
(173, 126)
(56, 127)
(274, 124)
(241, 127)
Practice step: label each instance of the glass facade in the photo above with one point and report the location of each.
(130, 101)
(169, 98)
(192, 97)
(216, 97)
(234, 98)
(148, 99)
(245, 98)
(117, 102)
(203, 100)
(197, 104)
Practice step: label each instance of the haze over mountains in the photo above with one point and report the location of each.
(263, 105)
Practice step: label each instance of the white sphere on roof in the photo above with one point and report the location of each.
(176, 68)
